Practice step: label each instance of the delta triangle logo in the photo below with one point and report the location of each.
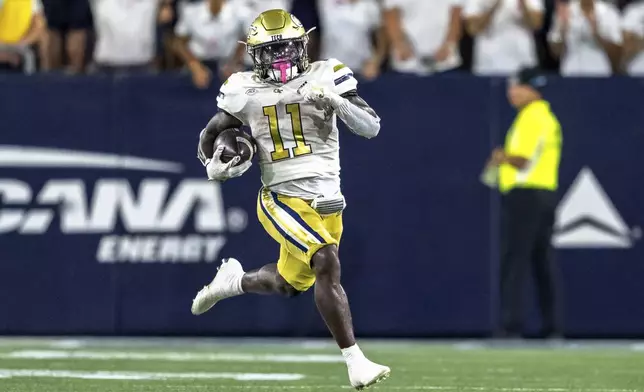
(587, 218)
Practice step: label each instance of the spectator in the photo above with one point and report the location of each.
(347, 35)
(504, 34)
(69, 22)
(587, 36)
(125, 34)
(165, 57)
(22, 25)
(633, 27)
(424, 35)
(258, 6)
(207, 33)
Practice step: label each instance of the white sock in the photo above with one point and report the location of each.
(352, 354)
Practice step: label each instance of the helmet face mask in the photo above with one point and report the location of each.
(280, 61)
(277, 43)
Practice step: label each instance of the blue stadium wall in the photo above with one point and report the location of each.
(107, 226)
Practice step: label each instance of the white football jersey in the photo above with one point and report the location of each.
(298, 146)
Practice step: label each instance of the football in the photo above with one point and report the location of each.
(236, 142)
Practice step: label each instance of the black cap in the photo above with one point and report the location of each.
(530, 76)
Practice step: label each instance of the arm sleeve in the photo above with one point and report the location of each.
(527, 134)
(357, 119)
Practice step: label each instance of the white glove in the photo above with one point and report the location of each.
(357, 120)
(315, 93)
(220, 171)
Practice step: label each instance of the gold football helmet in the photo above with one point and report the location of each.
(277, 43)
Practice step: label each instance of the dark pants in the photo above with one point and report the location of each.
(527, 222)
(64, 15)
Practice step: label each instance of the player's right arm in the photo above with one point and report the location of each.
(216, 169)
(231, 105)
(217, 124)
(343, 98)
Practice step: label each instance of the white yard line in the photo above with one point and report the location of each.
(467, 344)
(637, 346)
(125, 375)
(67, 344)
(386, 387)
(501, 389)
(172, 356)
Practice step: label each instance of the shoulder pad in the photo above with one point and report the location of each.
(343, 79)
(232, 97)
(237, 83)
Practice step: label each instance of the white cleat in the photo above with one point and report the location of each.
(226, 284)
(365, 373)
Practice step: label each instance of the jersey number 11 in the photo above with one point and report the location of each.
(279, 152)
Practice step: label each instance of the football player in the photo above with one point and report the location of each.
(292, 106)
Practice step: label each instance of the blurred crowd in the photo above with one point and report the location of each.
(422, 37)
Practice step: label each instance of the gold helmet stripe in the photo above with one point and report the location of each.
(274, 25)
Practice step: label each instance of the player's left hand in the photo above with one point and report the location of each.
(315, 93)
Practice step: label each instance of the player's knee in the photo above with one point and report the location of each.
(286, 289)
(289, 291)
(326, 263)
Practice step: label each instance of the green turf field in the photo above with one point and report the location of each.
(42, 365)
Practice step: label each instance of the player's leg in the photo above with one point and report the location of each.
(313, 259)
(333, 305)
(330, 298)
(231, 280)
(268, 281)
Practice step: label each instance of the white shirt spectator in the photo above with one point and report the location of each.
(508, 43)
(633, 22)
(582, 54)
(258, 6)
(212, 37)
(125, 31)
(426, 25)
(347, 30)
